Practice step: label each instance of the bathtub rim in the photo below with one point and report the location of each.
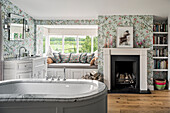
(46, 97)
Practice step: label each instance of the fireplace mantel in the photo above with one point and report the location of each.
(142, 52)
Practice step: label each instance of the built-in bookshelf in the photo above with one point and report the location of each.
(160, 46)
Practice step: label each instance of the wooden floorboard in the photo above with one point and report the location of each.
(157, 102)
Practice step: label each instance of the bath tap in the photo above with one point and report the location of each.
(46, 77)
(52, 78)
(58, 78)
(64, 79)
(20, 51)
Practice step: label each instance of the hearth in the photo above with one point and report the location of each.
(125, 73)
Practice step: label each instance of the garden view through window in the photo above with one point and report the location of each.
(56, 43)
(74, 44)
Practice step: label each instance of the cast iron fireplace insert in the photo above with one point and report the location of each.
(125, 73)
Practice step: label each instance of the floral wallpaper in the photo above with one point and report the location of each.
(107, 33)
(12, 47)
(39, 40)
(67, 22)
(40, 30)
(143, 30)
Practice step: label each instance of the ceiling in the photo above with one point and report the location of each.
(90, 9)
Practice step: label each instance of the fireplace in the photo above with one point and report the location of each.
(125, 73)
(132, 62)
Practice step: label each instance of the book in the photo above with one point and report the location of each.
(160, 27)
(160, 64)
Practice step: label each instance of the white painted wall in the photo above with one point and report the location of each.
(88, 9)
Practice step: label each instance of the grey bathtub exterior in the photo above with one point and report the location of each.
(51, 103)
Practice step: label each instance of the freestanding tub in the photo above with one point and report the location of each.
(42, 96)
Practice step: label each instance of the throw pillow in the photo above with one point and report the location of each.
(92, 61)
(83, 57)
(57, 57)
(65, 57)
(89, 57)
(49, 60)
(96, 61)
(74, 58)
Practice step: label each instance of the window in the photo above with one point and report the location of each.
(56, 43)
(74, 44)
(85, 44)
(70, 44)
(44, 43)
(95, 43)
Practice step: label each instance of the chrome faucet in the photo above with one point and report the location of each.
(64, 79)
(46, 77)
(49, 77)
(58, 79)
(20, 51)
(52, 78)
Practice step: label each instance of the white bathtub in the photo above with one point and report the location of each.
(42, 96)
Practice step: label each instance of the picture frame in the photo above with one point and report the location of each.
(124, 37)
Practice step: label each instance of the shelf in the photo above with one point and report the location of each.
(161, 33)
(160, 45)
(160, 69)
(160, 57)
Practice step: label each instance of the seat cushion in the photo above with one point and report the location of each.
(72, 65)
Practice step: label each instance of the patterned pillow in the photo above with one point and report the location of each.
(65, 57)
(96, 61)
(57, 57)
(89, 57)
(83, 57)
(74, 58)
(49, 60)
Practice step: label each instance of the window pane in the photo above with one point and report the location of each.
(85, 44)
(56, 43)
(70, 44)
(44, 44)
(95, 43)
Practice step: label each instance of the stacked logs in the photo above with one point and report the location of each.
(93, 76)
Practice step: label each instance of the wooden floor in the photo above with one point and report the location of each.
(157, 102)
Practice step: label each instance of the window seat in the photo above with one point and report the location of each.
(72, 65)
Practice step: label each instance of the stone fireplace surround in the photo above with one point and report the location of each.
(142, 52)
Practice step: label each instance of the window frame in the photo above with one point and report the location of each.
(46, 44)
(77, 41)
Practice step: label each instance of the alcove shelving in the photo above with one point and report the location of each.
(160, 48)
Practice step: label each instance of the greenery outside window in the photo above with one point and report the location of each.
(95, 43)
(44, 43)
(84, 44)
(56, 43)
(70, 44)
(74, 44)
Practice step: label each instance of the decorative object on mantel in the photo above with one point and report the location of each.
(160, 84)
(105, 43)
(93, 76)
(141, 44)
(108, 43)
(125, 37)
